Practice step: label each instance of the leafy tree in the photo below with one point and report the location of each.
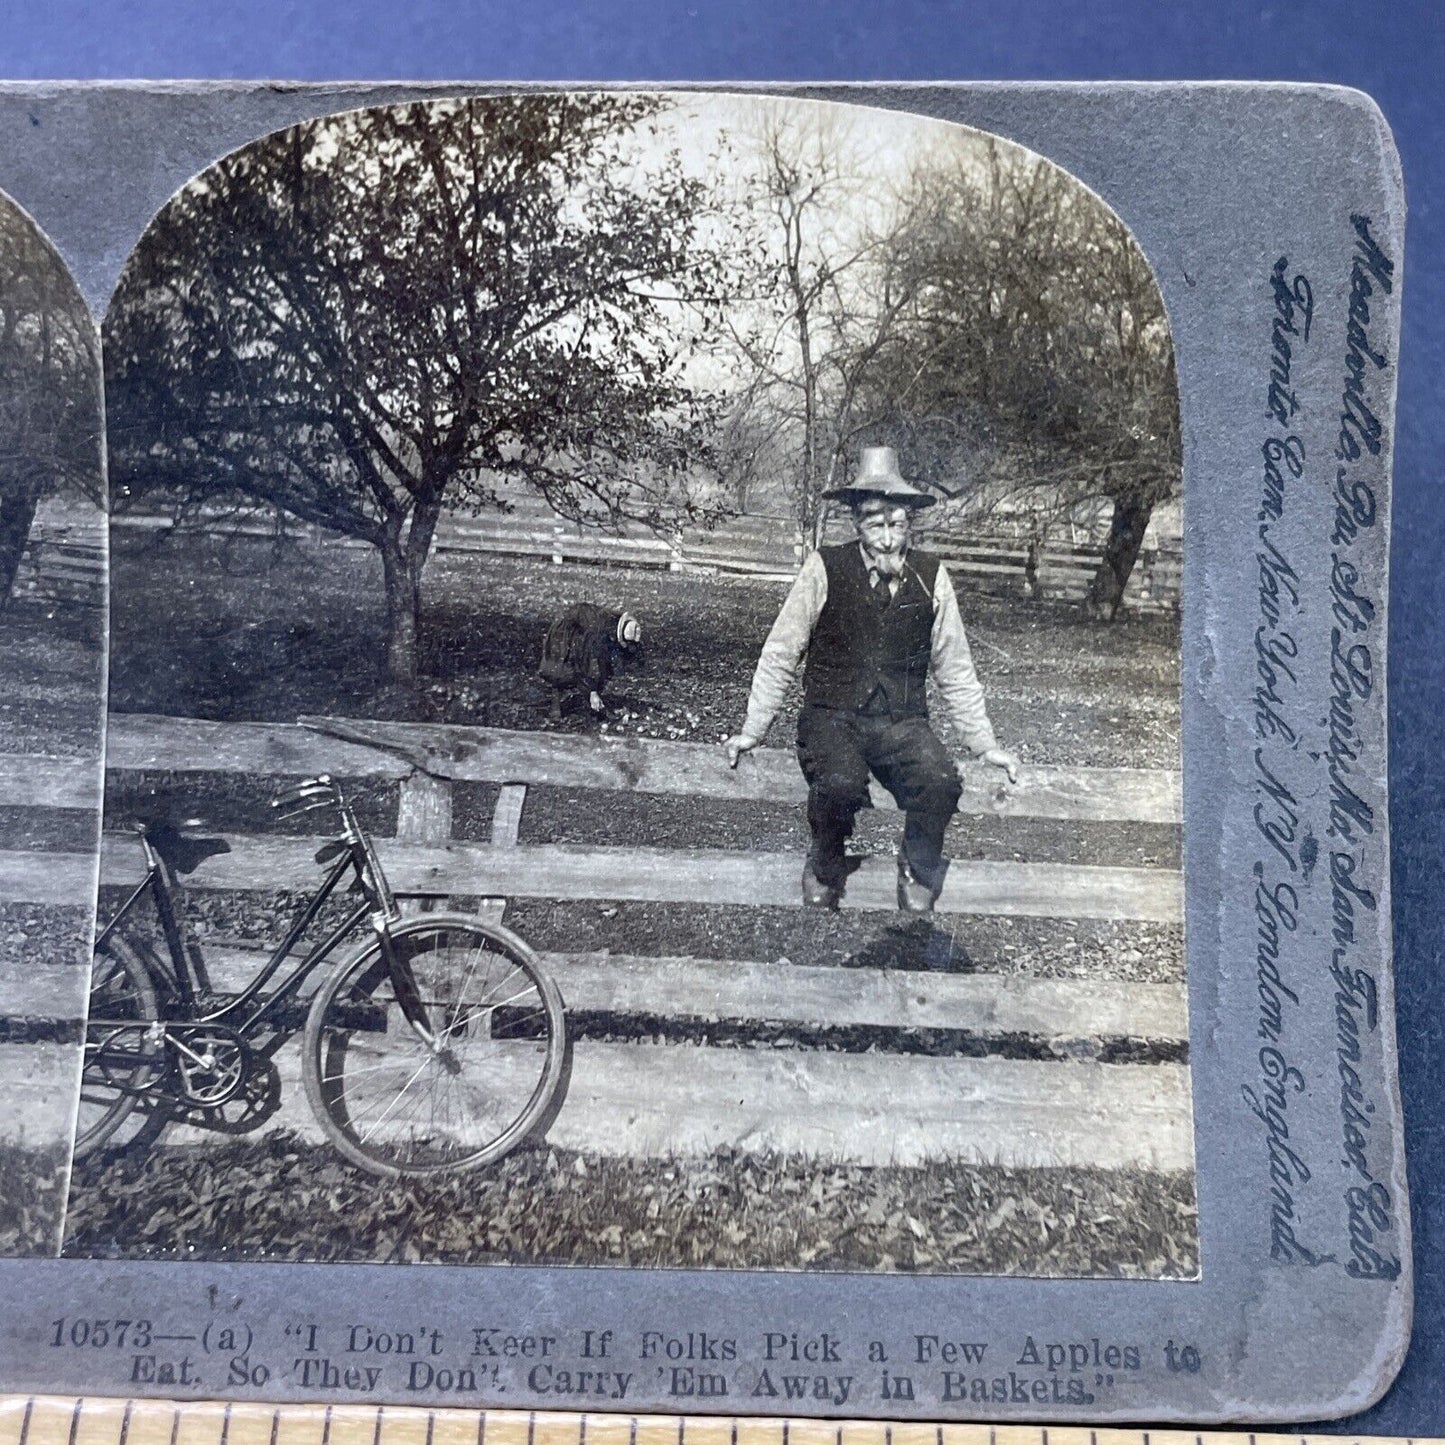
(49, 386)
(361, 320)
(1044, 361)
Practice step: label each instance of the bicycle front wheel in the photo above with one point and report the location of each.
(454, 1077)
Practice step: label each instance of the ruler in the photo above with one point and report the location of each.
(68, 1420)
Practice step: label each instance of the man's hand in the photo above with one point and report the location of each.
(998, 758)
(737, 745)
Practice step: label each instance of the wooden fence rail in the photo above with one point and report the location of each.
(765, 548)
(668, 1101)
(675, 875)
(654, 1098)
(64, 563)
(348, 747)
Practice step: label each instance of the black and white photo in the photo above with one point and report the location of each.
(52, 679)
(468, 450)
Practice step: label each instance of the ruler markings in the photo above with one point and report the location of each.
(85, 1420)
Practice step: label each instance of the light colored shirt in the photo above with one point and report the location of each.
(950, 663)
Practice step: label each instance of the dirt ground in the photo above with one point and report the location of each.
(32, 1183)
(257, 634)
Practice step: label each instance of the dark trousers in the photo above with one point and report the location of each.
(839, 748)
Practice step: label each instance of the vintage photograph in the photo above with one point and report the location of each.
(52, 678)
(644, 705)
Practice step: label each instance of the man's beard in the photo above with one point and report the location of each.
(888, 564)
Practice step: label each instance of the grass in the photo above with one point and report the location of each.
(51, 668)
(279, 1199)
(263, 635)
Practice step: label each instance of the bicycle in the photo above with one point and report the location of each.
(436, 1046)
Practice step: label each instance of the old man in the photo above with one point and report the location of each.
(875, 619)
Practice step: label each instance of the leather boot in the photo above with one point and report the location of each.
(816, 893)
(913, 896)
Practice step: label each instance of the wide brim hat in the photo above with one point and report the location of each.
(878, 477)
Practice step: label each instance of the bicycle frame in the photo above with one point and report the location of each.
(248, 1009)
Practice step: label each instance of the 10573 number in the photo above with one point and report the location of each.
(100, 1334)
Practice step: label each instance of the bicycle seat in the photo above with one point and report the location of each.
(181, 853)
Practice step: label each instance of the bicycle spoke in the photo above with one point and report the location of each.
(396, 1104)
(419, 1071)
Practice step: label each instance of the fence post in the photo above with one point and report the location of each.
(424, 818)
(506, 824)
(424, 812)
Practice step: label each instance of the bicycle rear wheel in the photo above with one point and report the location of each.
(396, 1101)
(119, 1062)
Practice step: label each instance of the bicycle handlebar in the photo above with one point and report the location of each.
(320, 792)
(314, 792)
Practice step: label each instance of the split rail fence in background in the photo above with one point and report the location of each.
(765, 547)
(656, 1099)
(64, 560)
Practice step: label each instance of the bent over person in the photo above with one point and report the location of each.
(582, 648)
(875, 619)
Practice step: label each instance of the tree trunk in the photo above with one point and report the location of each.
(402, 561)
(17, 511)
(403, 611)
(1121, 551)
(1032, 558)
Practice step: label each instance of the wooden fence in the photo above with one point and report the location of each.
(767, 548)
(650, 1098)
(43, 996)
(64, 562)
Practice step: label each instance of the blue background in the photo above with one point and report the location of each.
(1393, 50)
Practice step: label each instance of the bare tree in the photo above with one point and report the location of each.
(49, 386)
(360, 321)
(823, 326)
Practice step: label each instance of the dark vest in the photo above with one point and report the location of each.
(860, 645)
